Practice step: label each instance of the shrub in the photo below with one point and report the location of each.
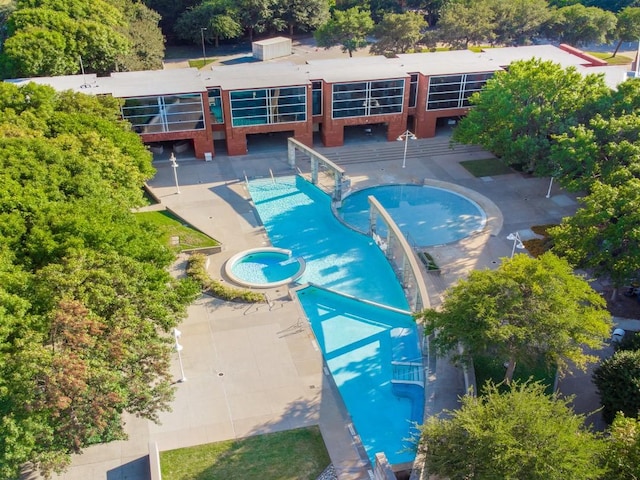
(196, 269)
(618, 382)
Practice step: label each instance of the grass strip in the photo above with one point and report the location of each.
(486, 167)
(298, 454)
(171, 227)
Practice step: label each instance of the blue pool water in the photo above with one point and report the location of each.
(265, 267)
(431, 215)
(357, 342)
(298, 217)
(355, 337)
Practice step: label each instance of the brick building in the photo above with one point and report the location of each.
(416, 92)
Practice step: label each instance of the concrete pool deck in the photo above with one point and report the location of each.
(255, 369)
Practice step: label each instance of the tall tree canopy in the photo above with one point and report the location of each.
(48, 37)
(520, 434)
(348, 28)
(524, 310)
(218, 17)
(604, 234)
(519, 23)
(622, 452)
(398, 33)
(627, 27)
(579, 25)
(518, 114)
(304, 15)
(86, 301)
(466, 22)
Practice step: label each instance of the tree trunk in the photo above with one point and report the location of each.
(291, 30)
(617, 48)
(511, 366)
(216, 39)
(614, 294)
(350, 53)
(250, 34)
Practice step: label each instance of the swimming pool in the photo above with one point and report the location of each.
(297, 216)
(431, 215)
(359, 343)
(355, 337)
(265, 267)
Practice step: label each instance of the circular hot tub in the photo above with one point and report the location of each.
(264, 267)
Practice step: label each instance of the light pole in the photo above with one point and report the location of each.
(517, 242)
(405, 137)
(174, 164)
(204, 53)
(178, 347)
(549, 190)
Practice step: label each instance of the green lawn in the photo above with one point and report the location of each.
(199, 63)
(486, 167)
(290, 455)
(492, 368)
(617, 60)
(171, 227)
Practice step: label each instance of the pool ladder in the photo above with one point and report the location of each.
(408, 372)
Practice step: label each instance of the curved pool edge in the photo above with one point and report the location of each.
(228, 268)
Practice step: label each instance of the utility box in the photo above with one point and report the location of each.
(271, 48)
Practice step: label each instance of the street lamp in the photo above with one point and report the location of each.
(178, 347)
(204, 53)
(405, 137)
(174, 164)
(549, 190)
(517, 242)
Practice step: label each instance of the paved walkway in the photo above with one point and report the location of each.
(255, 369)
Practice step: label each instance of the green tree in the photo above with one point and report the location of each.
(622, 452)
(348, 29)
(606, 150)
(256, 16)
(604, 234)
(617, 379)
(518, 23)
(519, 113)
(398, 33)
(170, 11)
(519, 434)
(578, 25)
(465, 22)
(217, 16)
(524, 310)
(627, 27)
(304, 15)
(86, 300)
(145, 38)
(611, 5)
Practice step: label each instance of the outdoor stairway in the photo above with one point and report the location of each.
(383, 151)
(408, 372)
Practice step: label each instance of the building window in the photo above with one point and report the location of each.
(215, 105)
(363, 99)
(268, 106)
(453, 91)
(413, 90)
(169, 113)
(316, 98)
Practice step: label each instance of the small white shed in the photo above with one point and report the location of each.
(271, 48)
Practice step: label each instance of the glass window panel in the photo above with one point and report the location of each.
(316, 98)
(215, 105)
(165, 113)
(413, 90)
